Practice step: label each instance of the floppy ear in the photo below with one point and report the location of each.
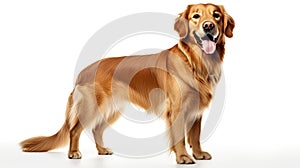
(181, 26)
(228, 22)
(228, 25)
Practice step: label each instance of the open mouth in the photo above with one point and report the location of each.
(208, 43)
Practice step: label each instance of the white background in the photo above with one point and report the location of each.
(41, 41)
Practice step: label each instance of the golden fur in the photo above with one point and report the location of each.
(176, 84)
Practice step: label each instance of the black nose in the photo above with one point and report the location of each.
(208, 27)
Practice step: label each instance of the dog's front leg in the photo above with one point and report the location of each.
(177, 137)
(194, 141)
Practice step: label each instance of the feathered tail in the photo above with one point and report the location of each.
(46, 143)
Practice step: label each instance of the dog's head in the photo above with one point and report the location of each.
(205, 25)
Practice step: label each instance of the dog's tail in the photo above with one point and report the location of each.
(46, 143)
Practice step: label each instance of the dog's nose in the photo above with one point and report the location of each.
(208, 26)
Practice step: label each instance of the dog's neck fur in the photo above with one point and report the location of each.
(206, 68)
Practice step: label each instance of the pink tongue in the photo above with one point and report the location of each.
(208, 46)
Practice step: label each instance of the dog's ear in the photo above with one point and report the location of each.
(182, 24)
(229, 23)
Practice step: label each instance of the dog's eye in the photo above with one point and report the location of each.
(196, 16)
(216, 15)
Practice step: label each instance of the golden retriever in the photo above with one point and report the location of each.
(177, 84)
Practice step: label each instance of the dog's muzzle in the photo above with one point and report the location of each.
(208, 37)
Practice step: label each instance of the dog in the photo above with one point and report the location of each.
(176, 84)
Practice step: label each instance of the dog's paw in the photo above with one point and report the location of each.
(202, 155)
(104, 151)
(185, 159)
(74, 155)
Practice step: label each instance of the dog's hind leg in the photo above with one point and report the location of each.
(82, 115)
(75, 132)
(98, 133)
